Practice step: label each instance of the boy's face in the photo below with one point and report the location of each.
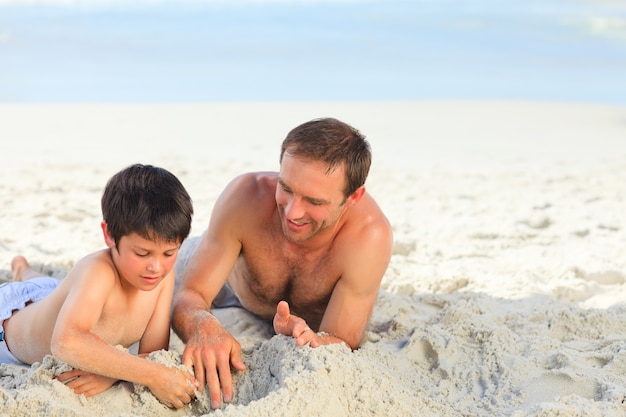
(141, 262)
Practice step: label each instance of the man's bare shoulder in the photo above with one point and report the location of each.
(367, 228)
(367, 215)
(253, 188)
(261, 182)
(364, 250)
(247, 202)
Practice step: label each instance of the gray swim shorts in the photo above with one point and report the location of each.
(226, 297)
(15, 296)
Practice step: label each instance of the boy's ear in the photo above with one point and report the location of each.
(110, 242)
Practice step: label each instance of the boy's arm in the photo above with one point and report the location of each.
(75, 342)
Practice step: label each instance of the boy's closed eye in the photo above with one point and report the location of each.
(166, 254)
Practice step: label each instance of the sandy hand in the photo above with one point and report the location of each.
(174, 387)
(211, 351)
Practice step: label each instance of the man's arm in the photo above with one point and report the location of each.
(296, 327)
(209, 348)
(203, 277)
(366, 255)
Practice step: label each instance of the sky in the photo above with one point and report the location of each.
(244, 50)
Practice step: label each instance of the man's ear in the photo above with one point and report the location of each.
(110, 242)
(356, 196)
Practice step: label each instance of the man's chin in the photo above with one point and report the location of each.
(295, 237)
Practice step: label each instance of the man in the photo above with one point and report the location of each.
(306, 247)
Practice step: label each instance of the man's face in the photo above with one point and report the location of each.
(309, 199)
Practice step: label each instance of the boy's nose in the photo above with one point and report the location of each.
(153, 265)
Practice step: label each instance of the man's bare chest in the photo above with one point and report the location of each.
(271, 273)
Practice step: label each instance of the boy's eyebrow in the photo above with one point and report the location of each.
(173, 248)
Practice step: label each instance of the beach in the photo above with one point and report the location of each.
(504, 295)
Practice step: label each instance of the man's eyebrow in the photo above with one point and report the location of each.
(314, 200)
(319, 201)
(283, 183)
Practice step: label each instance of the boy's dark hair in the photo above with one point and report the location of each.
(333, 142)
(149, 201)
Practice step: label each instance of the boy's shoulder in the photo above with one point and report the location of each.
(96, 265)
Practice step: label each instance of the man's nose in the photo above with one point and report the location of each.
(293, 209)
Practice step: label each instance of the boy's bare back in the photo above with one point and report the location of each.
(94, 281)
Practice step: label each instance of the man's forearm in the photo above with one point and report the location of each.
(187, 315)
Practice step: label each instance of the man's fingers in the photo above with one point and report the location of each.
(212, 366)
(226, 382)
(307, 335)
(187, 360)
(235, 358)
(213, 383)
(282, 309)
(304, 328)
(197, 365)
(300, 328)
(282, 319)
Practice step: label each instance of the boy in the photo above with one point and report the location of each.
(114, 297)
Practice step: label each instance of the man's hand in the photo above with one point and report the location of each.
(211, 351)
(86, 383)
(290, 325)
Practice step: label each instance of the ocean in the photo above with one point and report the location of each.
(207, 51)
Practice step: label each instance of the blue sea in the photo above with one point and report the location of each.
(201, 51)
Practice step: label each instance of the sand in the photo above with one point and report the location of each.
(504, 296)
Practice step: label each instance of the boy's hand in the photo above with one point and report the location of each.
(290, 325)
(86, 383)
(174, 387)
